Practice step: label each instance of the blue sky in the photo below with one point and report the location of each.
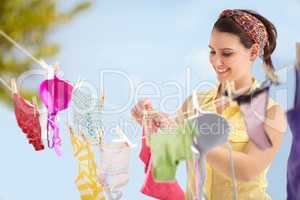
(148, 41)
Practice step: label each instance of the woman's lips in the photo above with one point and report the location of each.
(222, 70)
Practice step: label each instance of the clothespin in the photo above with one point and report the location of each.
(14, 86)
(124, 137)
(82, 135)
(145, 121)
(35, 105)
(56, 67)
(51, 70)
(230, 87)
(102, 99)
(99, 137)
(78, 84)
(69, 127)
(298, 55)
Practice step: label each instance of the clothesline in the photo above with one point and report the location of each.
(5, 84)
(41, 62)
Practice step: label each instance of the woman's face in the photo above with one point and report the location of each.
(229, 58)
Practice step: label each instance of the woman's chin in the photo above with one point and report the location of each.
(223, 78)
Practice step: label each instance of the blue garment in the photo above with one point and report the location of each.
(293, 168)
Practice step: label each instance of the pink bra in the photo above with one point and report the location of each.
(56, 95)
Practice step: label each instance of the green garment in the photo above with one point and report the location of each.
(168, 148)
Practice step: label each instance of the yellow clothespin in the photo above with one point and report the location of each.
(124, 137)
(298, 55)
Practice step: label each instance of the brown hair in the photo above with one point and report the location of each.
(227, 24)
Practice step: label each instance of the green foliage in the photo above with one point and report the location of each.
(29, 22)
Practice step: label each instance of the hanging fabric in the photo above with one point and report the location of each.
(86, 181)
(114, 167)
(254, 106)
(293, 117)
(87, 114)
(56, 95)
(160, 190)
(27, 116)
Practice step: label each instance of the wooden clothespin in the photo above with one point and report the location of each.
(124, 137)
(99, 137)
(102, 99)
(81, 133)
(230, 87)
(35, 105)
(51, 70)
(56, 67)
(78, 84)
(69, 128)
(298, 55)
(14, 87)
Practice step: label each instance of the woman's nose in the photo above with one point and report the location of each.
(218, 61)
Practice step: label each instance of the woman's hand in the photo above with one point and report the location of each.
(145, 115)
(143, 107)
(156, 120)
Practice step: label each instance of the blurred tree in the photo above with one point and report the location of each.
(29, 22)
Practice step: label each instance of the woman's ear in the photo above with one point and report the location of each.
(254, 51)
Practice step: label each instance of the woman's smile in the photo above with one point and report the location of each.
(222, 71)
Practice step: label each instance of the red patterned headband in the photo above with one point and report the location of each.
(254, 28)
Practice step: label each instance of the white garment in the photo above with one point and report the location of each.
(114, 166)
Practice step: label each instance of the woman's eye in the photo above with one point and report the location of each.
(227, 54)
(212, 52)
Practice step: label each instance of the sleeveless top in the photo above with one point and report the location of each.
(218, 185)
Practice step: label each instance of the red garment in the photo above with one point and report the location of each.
(28, 120)
(159, 190)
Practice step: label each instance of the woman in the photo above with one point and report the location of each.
(238, 38)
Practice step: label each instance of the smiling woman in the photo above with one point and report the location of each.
(238, 38)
